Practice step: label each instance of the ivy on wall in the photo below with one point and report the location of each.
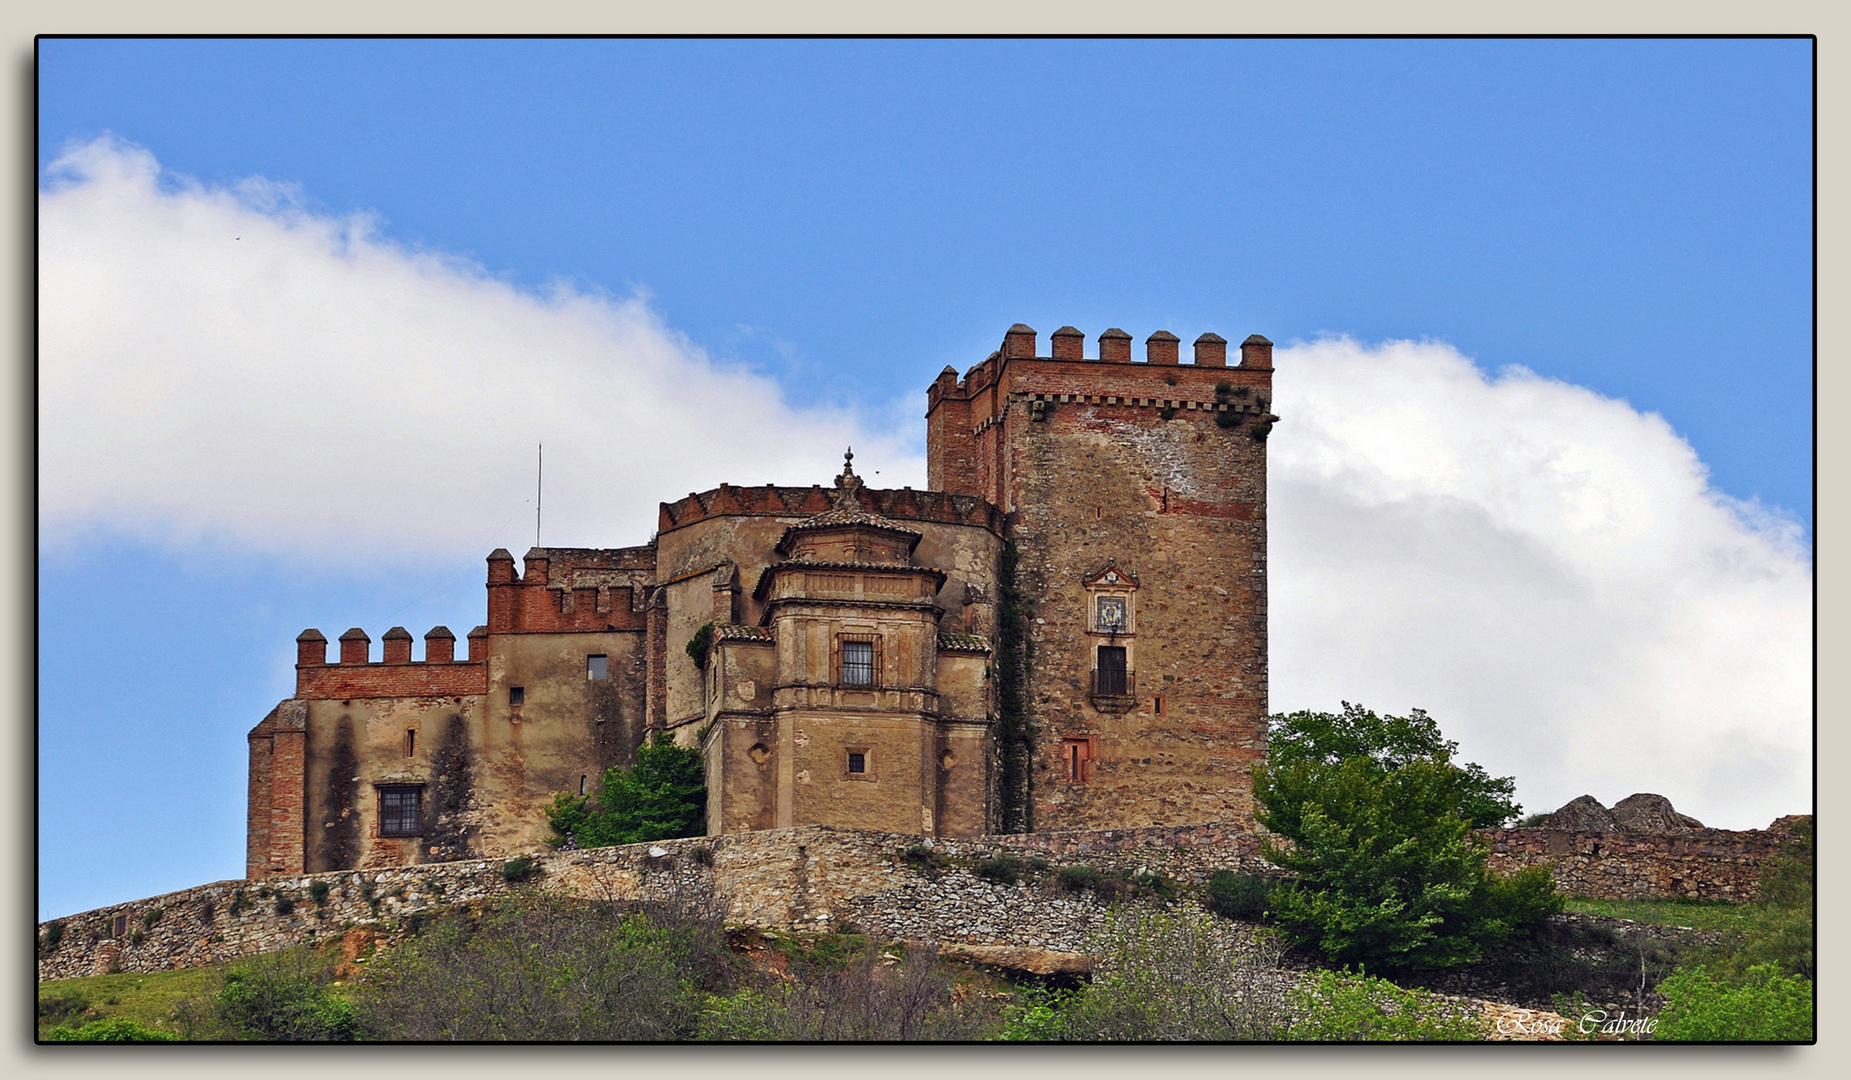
(1015, 733)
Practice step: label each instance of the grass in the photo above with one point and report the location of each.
(1720, 915)
(146, 997)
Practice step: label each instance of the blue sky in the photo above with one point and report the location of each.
(686, 262)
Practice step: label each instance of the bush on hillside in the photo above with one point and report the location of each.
(1764, 1007)
(1387, 871)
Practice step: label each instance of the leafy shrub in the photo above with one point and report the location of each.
(661, 797)
(1346, 1008)
(1164, 975)
(239, 902)
(1787, 879)
(876, 997)
(552, 973)
(110, 1029)
(65, 1003)
(1003, 869)
(1041, 1018)
(701, 854)
(318, 892)
(1227, 419)
(1388, 871)
(152, 916)
(821, 954)
(1078, 878)
(136, 937)
(54, 934)
(284, 998)
(284, 905)
(699, 645)
(1766, 1007)
(518, 869)
(1239, 896)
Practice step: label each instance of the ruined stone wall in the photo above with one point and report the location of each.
(1704, 864)
(813, 877)
(820, 877)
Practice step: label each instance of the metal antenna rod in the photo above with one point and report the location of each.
(539, 488)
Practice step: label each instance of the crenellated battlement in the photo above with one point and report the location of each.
(900, 504)
(570, 590)
(966, 415)
(1068, 345)
(395, 674)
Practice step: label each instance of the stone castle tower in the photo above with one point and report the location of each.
(1067, 631)
(1135, 496)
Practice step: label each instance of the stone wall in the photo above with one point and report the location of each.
(1702, 864)
(822, 877)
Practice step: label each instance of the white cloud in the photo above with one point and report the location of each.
(222, 362)
(1544, 570)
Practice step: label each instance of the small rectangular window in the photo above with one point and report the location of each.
(1079, 759)
(122, 925)
(1159, 704)
(597, 666)
(411, 742)
(857, 663)
(581, 783)
(517, 695)
(401, 811)
(857, 762)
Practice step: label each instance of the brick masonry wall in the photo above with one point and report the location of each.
(818, 877)
(413, 679)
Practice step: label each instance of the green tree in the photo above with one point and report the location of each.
(1380, 820)
(661, 797)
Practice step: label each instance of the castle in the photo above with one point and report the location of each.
(1067, 631)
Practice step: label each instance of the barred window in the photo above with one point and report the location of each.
(858, 659)
(401, 811)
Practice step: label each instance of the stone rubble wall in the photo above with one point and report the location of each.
(1703, 864)
(820, 877)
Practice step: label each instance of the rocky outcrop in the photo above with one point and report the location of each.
(1645, 813)
(1652, 814)
(1583, 814)
(1009, 958)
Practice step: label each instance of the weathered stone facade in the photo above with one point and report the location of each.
(852, 674)
(1136, 496)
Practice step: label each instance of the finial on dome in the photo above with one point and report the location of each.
(848, 482)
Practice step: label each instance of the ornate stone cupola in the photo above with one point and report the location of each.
(847, 532)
